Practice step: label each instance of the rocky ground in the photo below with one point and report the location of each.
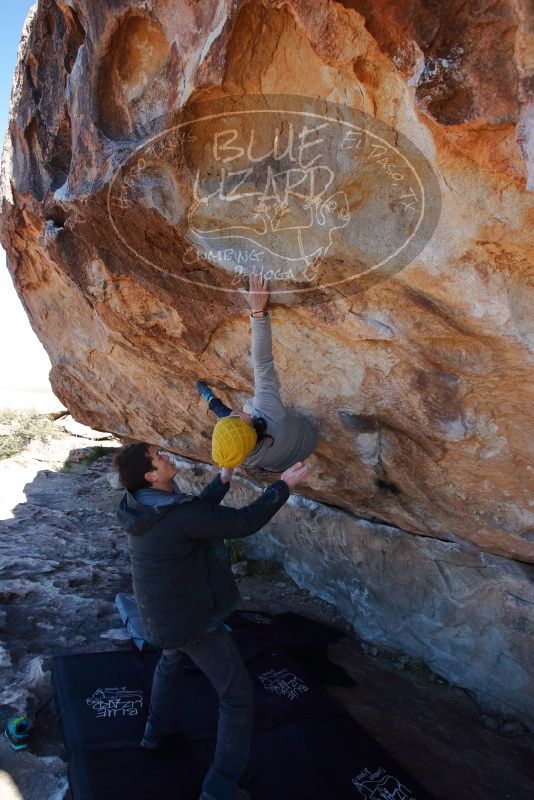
(63, 560)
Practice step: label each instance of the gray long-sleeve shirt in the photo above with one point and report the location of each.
(295, 437)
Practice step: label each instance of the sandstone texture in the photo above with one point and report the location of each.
(421, 382)
(415, 361)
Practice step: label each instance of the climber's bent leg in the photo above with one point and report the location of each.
(215, 404)
(219, 409)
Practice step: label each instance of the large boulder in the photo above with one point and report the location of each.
(400, 262)
(420, 379)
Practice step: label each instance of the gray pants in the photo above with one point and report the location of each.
(218, 657)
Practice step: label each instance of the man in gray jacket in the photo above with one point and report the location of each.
(184, 588)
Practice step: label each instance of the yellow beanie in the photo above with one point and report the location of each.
(232, 441)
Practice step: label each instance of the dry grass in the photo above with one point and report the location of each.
(19, 428)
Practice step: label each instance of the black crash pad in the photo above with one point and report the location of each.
(306, 639)
(304, 745)
(319, 760)
(295, 633)
(102, 698)
(170, 772)
(284, 688)
(277, 769)
(354, 763)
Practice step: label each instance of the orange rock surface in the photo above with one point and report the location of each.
(421, 382)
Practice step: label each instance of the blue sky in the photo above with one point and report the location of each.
(23, 363)
(13, 16)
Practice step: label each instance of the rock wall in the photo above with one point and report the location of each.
(424, 398)
(418, 370)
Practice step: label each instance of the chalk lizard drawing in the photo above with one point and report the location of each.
(379, 785)
(116, 702)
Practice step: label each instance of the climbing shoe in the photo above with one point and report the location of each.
(204, 391)
(17, 732)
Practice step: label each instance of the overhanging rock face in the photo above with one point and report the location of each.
(397, 228)
(420, 381)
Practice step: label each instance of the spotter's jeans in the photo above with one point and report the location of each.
(218, 657)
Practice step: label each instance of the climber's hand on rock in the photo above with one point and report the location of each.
(226, 474)
(295, 474)
(258, 292)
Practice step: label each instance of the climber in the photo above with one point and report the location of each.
(184, 589)
(265, 434)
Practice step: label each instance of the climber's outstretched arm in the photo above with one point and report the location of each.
(267, 398)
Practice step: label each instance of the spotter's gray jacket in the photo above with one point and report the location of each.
(295, 437)
(182, 578)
